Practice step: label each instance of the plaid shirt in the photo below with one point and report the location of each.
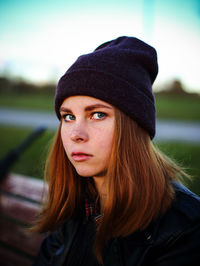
(91, 211)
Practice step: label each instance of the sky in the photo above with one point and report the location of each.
(40, 39)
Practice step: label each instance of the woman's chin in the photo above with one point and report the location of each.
(89, 172)
(85, 172)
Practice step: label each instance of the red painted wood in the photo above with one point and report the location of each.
(19, 237)
(25, 186)
(12, 234)
(18, 209)
(10, 258)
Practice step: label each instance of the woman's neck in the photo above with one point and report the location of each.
(98, 180)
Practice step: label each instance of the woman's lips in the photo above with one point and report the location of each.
(80, 157)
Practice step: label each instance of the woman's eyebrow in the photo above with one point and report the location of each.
(87, 108)
(95, 106)
(64, 109)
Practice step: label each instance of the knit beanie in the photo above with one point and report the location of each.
(120, 72)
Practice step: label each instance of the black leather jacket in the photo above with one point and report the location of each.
(172, 240)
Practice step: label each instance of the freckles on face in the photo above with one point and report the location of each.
(87, 133)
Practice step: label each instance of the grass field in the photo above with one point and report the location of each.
(187, 156)
(31, 162)
(31, 101)
(177, 107)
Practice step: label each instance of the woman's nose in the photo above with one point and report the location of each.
(79, 133)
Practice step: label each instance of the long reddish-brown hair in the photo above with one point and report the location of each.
(137, 185)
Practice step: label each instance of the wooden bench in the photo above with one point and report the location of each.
(20, 199)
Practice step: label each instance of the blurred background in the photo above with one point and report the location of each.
(40, 39)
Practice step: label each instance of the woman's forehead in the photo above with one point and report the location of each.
(83, 100)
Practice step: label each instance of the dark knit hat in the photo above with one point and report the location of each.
(120, 72)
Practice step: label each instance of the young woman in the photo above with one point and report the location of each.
(113, 198)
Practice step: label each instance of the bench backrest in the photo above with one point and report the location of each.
(20, 199)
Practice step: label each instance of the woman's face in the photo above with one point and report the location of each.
(87, 133)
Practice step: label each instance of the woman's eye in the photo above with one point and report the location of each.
(68, 117)
(98, 115)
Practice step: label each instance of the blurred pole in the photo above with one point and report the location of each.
(13, 155)
(148, 19)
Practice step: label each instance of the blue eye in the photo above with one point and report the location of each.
(98, 115)
(68, 117)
